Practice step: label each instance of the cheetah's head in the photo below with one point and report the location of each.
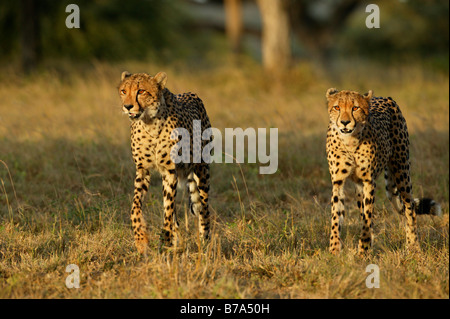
(141, 93)
(348, 110)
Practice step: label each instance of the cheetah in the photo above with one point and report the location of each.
(155, 113)
(366, 135)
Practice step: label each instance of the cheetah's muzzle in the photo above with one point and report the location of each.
(346, 131)
(134, 115)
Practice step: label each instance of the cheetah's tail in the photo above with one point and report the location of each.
(427, 206)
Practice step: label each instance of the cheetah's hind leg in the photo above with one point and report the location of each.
(198, 185)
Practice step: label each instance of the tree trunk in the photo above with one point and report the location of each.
(29, 35)
(233, 24)
(276, 44)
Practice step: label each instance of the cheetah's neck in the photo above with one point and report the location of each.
(351, 141)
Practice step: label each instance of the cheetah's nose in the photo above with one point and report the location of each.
(345, 122)
(128, 106)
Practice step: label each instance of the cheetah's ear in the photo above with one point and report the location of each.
(161, 79)
(368, 95)
(124, 75)
(331, 92)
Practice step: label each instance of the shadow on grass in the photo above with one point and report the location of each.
(81, 181)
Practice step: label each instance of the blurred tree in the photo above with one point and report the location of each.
(29, 35)
(410, 29)
(35, 29)
(316, 23)
(276, 42)
(234, 26)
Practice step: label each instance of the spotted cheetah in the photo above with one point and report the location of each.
(367, 134)
(155, 113)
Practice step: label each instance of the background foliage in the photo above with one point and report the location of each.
(165, 30)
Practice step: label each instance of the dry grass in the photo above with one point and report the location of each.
(67, 177)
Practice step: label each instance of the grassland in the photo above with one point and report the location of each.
(66, 180)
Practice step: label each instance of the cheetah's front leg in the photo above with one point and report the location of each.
(365, 242)
(170, 229)
(337, 215)
(141, 184)
(360, 199)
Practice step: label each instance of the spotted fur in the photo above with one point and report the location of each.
(154, 113)
(367, 135)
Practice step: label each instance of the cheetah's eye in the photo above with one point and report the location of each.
(140, 91)
(123, 92)
(337, 107)
(355, 108)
